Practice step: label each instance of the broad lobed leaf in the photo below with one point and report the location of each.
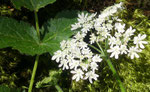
(19, 35)
(32, 4)
(57, 30)
(23, 37)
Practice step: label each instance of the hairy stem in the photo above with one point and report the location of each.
(33, 73)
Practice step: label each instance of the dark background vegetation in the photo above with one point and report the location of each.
(16, 68)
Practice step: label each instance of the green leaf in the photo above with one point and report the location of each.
(7, 89)
(18, 35)
(23, 37)
(57, 30)
(32, 4)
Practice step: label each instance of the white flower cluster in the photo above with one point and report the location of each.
(77, 56)
(109, 27)
(122, 42)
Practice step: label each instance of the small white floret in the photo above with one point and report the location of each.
(78, 74)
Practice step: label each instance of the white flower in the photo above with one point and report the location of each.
(109, 26)
(57, 55)
(123, 49)
(82, 44)
(118, 34)
(79, 36)
(63, 44)
(91, 75)
(96, 58)
(75, 54)
(75, 26)
(112, 41)
(89, 56)
(82, 17)
(92, 38)
(120, 27)
(89, 18)
(115, 51)
(129, 32)
(99, 29)
(133, 52)
(84, 66)
(70, 58)
(74, 64)
(118, 41)
(139, 40)
(86, 27)
(105, 33)
(85, 51)
(119, 5)
(78, 74)
(64, 63)
(126, 39)
(94, 66)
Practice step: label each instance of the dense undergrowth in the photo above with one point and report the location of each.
(15, 68)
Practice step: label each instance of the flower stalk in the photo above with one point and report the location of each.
(115, 74)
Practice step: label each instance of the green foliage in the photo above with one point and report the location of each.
(33, 5)
(18, 35)
(7, 89)
(138, 70)
(51, 80)
(134, 73)
(57, 30)
(23, 37)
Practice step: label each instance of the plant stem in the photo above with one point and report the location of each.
(37, 57)
(94, 48)
(37, 24)
(115, 74)
(58, 88)
(33, 73)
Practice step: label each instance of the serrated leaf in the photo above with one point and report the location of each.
(32, 4)
(18, 35)
(23, 37)
(57, 30)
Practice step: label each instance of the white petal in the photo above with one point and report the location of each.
(112, 55)
(136, 55)
(116, 56)
(90, 79)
